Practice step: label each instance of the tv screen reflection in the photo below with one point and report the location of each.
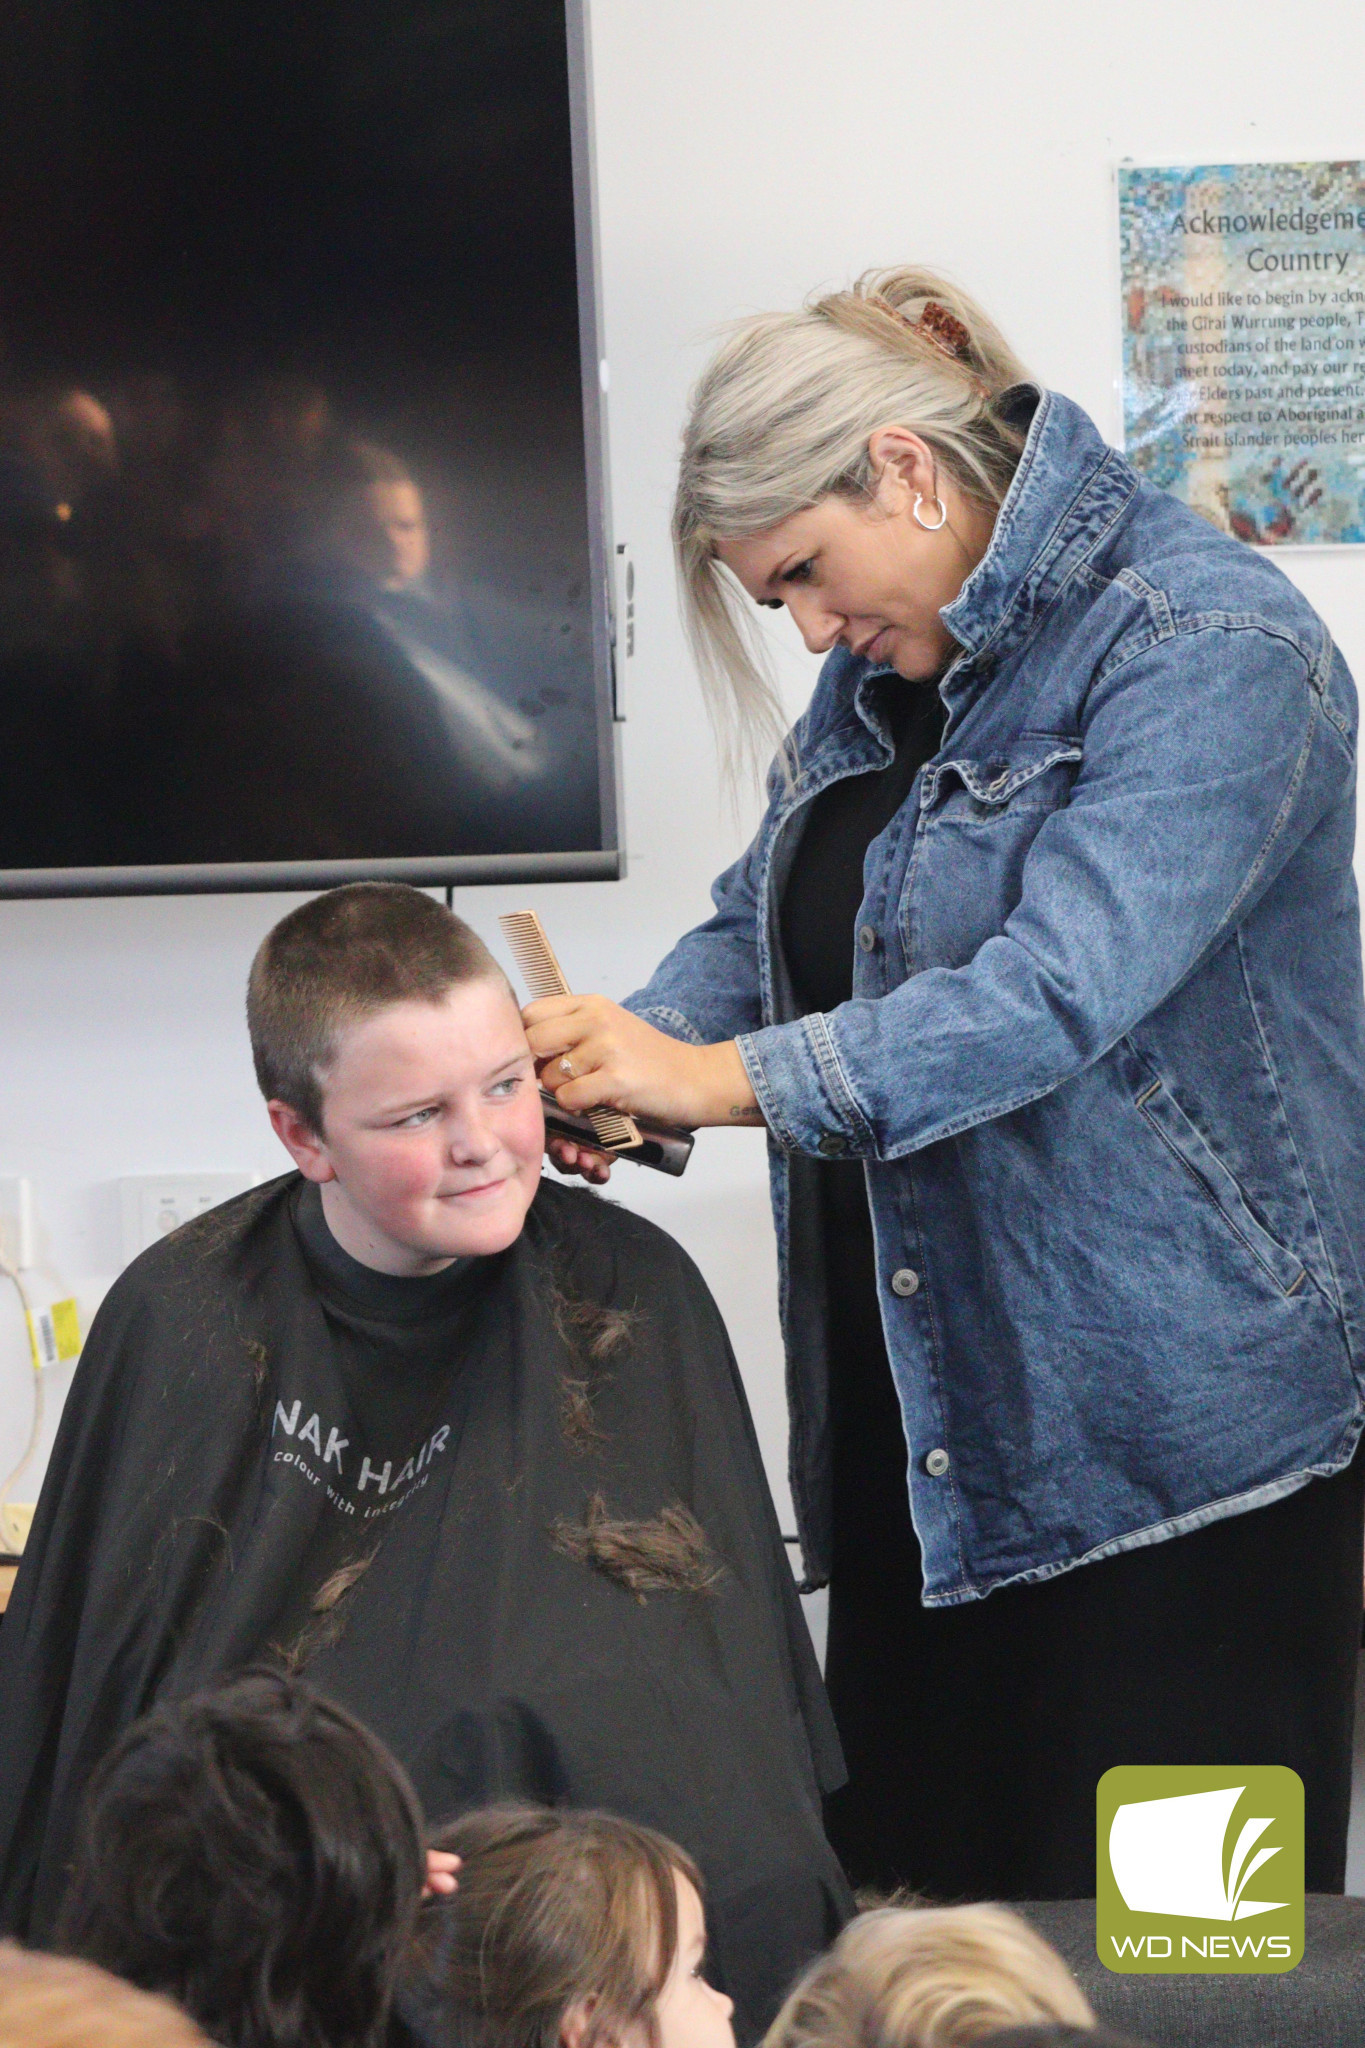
(295, 557)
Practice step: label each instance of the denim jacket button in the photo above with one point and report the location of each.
(832, 1144)
(867, 938)
(936, 1464)
(905, 1281)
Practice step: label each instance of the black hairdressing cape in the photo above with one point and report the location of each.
(188, 1496)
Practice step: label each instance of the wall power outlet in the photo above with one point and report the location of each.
(152, 1205)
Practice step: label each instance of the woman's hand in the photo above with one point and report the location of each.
(591, 1054)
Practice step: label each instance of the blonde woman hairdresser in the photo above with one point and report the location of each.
(1043, 975)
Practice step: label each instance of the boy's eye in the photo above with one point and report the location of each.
(502, 1089)
(416, 1120)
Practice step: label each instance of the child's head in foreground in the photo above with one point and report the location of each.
(932, 1977)
(255, 1854)
(390, 1050)
(569, 1930)
(55, 2002)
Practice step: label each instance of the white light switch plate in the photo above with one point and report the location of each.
(152, 1205)
(16, 1221)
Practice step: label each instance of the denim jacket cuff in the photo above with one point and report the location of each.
(671, 1022)
(802, 1091)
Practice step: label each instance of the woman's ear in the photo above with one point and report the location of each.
(903, 468)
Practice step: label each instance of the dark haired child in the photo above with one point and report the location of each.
(466, 1446)
(255, 1854)
(570, 1930)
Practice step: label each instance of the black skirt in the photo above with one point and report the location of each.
(975, 1735)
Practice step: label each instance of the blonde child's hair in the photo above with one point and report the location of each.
(53, 2002)
(929, 1977)
(782, 417)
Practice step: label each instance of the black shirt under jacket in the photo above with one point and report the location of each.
(824, 891)
(230, 1451)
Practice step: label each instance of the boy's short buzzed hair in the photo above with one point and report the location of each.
(342, 956)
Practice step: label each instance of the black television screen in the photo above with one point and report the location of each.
(302, 541)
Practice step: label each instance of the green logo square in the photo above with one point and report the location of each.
(1199, 1870)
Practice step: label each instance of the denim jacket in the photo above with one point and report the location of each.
(1105, 1057)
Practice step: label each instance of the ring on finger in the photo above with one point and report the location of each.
(566, 1067)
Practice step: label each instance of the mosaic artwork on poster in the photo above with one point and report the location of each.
(1244, 344)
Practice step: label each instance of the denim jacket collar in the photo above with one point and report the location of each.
(1066, 494)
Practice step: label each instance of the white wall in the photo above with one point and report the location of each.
(748, 150)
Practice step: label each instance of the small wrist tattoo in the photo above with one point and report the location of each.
(746, 1113)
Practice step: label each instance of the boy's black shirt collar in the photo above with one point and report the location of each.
(379, 1297)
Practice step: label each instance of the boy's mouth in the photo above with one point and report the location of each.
(483, 1187)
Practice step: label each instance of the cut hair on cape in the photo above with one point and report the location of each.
(668, 1553)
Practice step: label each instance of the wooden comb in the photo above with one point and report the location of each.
(544, 976)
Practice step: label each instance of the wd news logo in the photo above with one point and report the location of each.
(1199, 1870)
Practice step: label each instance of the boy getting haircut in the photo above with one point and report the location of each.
(255, 1854)
(467, 1447)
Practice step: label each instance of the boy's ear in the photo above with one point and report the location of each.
(307, 1150)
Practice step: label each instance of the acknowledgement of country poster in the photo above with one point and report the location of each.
(1244, 344)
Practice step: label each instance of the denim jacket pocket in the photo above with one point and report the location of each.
(1034, 773)
(1192, 1150)
(980, 815)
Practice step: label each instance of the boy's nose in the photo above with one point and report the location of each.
(471, 1144)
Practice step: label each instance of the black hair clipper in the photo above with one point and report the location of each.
(661, 1146)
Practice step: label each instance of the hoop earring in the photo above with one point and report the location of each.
(930, 526)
